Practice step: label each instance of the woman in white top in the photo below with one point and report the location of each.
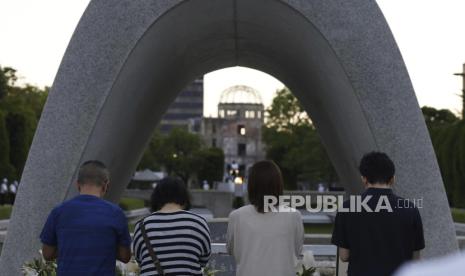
(263, 242)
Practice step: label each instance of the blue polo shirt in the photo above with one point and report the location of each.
(87, 231)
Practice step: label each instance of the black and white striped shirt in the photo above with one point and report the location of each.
(181, 241)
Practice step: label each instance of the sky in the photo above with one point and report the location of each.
(430, 34)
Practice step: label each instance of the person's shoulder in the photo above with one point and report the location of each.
(289, 212)
(195, 216)
(138, 222)
(293, 214)
(63, 205)
(242, 210)
(112, 205)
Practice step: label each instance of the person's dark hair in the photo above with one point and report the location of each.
(170, 190)
(265, 178)
(377, 167)
(93, 172)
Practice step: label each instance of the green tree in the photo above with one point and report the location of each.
(7, 79)
(29, 97)
(21, 125)
(212, 165)
(21, 108)
(448, 137)
(459, 180)
(3, 84)
(278, 145)
(6, 169)
(436, 118)
(180, 154)
(152, 155)
(286, 112)
(183, 154)
(449, 145)
(294, 144)
(10, 75)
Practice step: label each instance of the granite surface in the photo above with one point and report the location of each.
(128, 59)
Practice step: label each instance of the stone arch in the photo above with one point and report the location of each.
(127, 60)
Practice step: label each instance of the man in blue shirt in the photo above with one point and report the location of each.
(87, 234)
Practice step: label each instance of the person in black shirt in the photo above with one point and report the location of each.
(378, 239)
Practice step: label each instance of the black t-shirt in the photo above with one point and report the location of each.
(379, 242)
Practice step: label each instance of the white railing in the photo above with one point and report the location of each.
(317, 249)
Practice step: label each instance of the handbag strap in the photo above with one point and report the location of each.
(150, 249)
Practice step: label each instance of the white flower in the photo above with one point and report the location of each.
(27, 271)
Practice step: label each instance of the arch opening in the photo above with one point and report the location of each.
(241, 38)
(128, 61)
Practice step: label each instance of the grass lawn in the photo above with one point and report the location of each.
(318, 228)
(5, 211)
(131, 203)
(458, 215)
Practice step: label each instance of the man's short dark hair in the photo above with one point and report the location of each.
(170, 190)
(93, 172)
(377, 167)
(265, 179)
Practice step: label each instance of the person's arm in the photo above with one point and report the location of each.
(340, 237)
(344, 254)
(207, 252)
(48, 237)
(230, 235)
(123, 251)
(419, 239)
(299, 235)
(49, 252)
(137, 243)
(123, 254)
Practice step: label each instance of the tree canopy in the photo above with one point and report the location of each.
(447, 133)
(294, 144)
(183, 154)
(286, 112)
(20, 108)
(436, 118)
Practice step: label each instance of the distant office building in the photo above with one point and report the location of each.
(187, 109)
(238, 128)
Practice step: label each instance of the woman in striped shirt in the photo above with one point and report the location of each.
(180, 239)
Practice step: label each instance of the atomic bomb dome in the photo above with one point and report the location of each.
(238, 129)
(240, 94)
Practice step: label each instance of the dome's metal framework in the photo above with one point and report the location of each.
(240, 94)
